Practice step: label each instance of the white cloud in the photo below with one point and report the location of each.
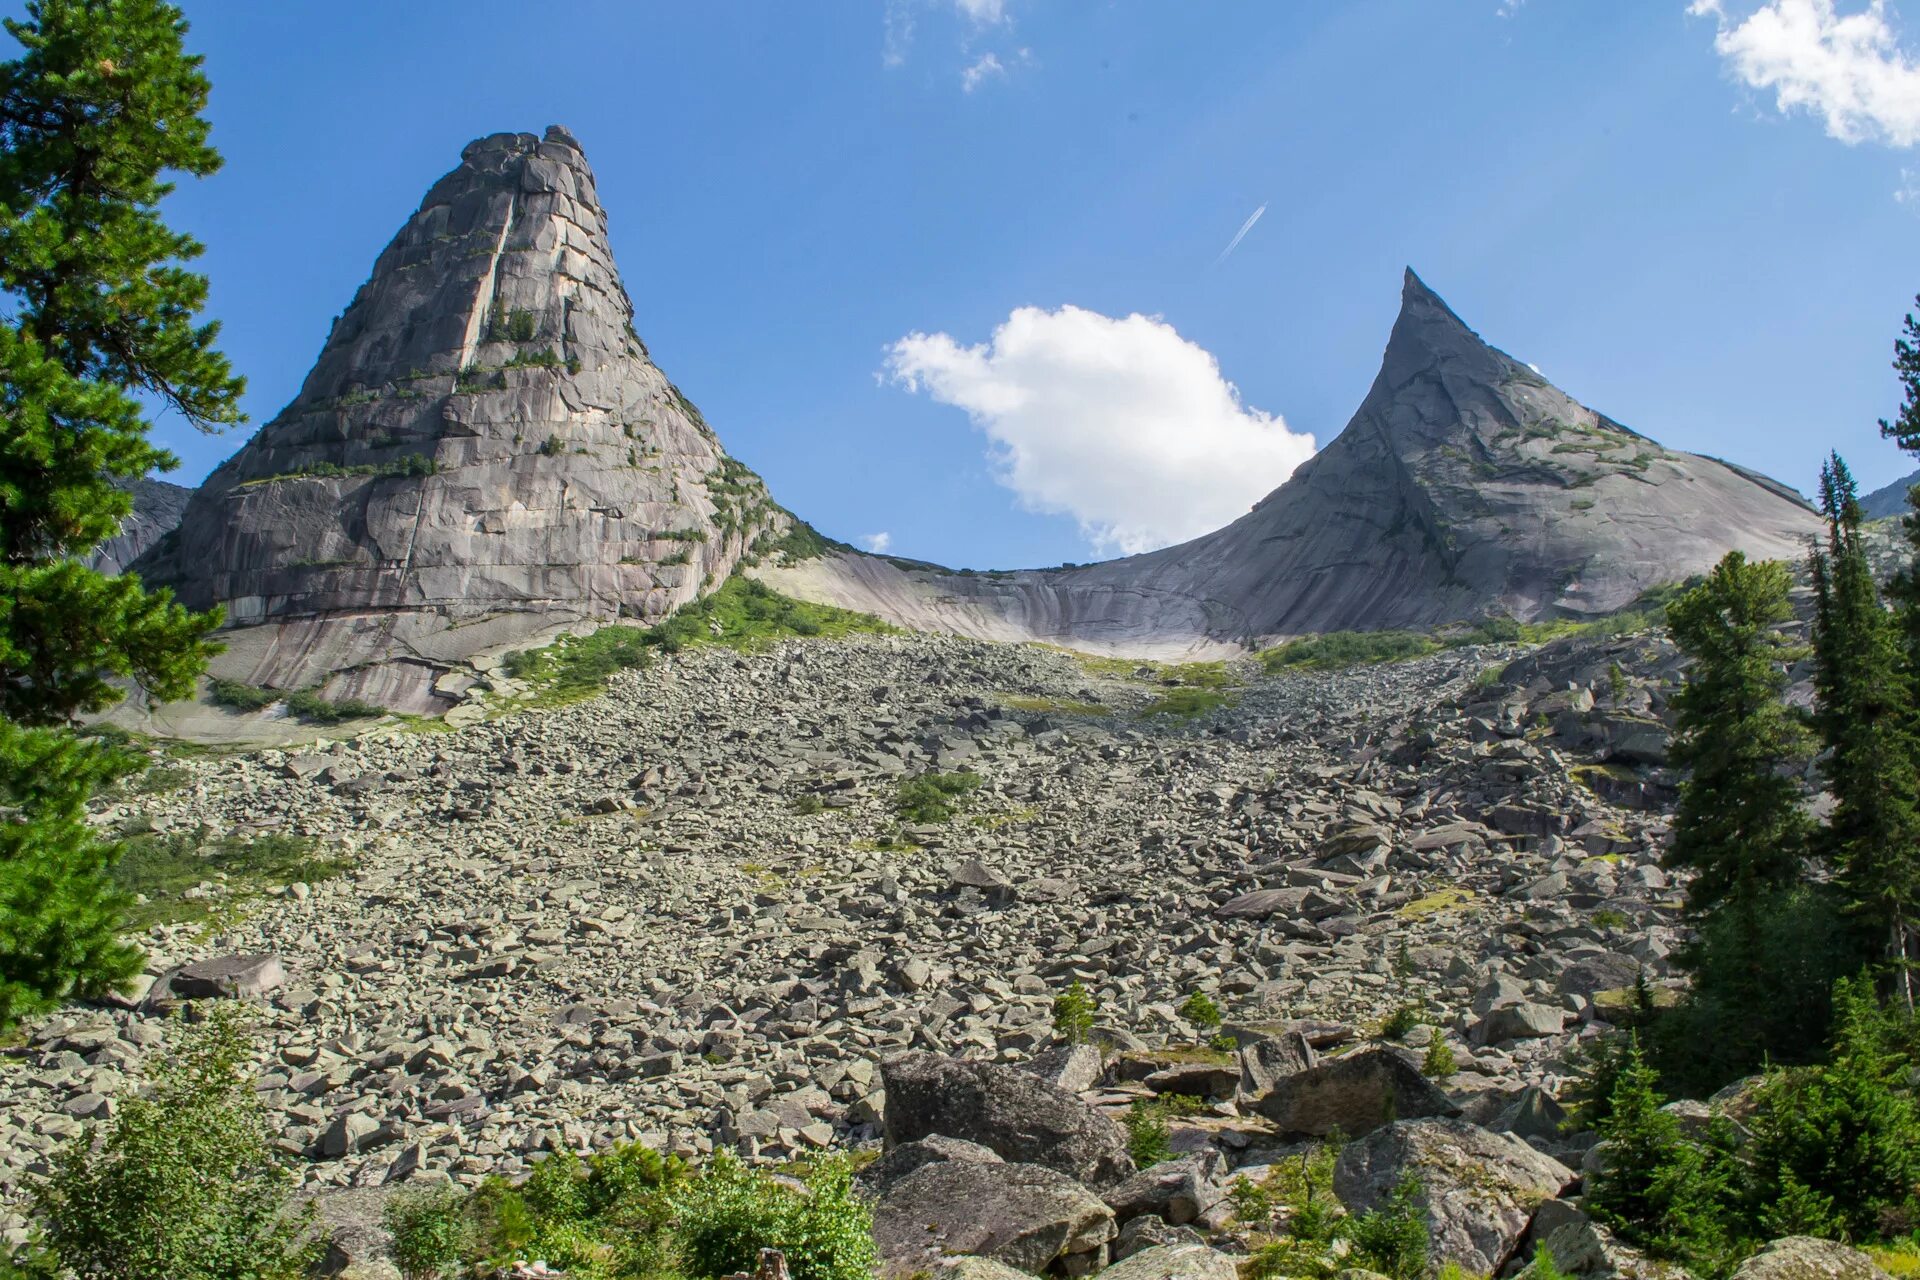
(1908, 192)
(1120, 423)
(1849, 69)
(986, 65)
(878, 543)
(984, 12)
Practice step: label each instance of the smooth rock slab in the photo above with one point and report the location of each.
(222, 978)
(1020, 1214)
(1479, 1188)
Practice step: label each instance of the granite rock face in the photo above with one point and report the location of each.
(483, 451)
(1890, 500)
(157, 508)
(1465, 485)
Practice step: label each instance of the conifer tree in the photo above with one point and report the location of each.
(1866, 721)
(1739, 826)
(1904, 430)
(99, 107)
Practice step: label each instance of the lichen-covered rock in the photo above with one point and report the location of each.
(878, 1178)
(1176, 1191)
(1003, 1108)
(1808, 1258)
(1174, 1262)
(1352, 1095)
(1020, 1214)
(1478, 1189)
(483, 438)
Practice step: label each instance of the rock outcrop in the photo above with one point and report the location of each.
(1465, 485)
(1890, 500)
(483, 452)
(157, 508)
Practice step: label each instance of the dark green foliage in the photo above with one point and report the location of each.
(1146, 1126)
(1303, 1186)
(543, 358)
(241, 696)
(1674, 1196)
(1866, 719)
(309, 705)
(934, 797)
(100, 105)
(579, 666)
(1200, 1010)
(1845, 1135)
(1392, 1239)
(184, 1183)
(1403, 1019)
(60, 913)
(1439, 1061)
(1739, 827)
(1763, 972)
(1073, 1011)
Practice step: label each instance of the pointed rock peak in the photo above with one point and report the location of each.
(1427, 331)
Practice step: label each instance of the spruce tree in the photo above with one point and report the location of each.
(1739, 826)
(1865, 717)
(99, 107)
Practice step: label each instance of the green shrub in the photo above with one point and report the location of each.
(1439, 1062)
(730, 1213)
(1845, 1135)
(161, 867)
(241, 696)
(1073, 1011)
(1200, 1010)
(934, 797)
(1302, 1187)
(1146, 1126)
(310, 706)
(1402, 1020)
(1392, 1239)
(429, 1229)
(184, 1183)
(808, 803)
(1187, 703)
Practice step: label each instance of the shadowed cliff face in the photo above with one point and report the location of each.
(1465, 485)
(157, 508)
(483, 450)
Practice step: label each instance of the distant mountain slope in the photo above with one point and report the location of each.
(1465, 485)
(483, 452)
(157, 508)
(1890, 501)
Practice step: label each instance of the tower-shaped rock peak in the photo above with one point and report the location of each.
(484, 450)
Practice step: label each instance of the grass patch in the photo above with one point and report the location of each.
(1054, 706)
(743, 614)
(1335, 650)
(1339, 649)
(162, 868)
(1187, 703)
(1434, 903)
(934, 797)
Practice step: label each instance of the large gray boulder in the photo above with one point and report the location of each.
(1174, 1262)
(1010, 1111)
(1352, 1095)
(1808, 1258)
(1175, 1191)
(1582, 1249)
(1479, 1189)
(483, 452)
(878, 1178)
(1264, 1062)
(1019, 1214)
(1466, 484)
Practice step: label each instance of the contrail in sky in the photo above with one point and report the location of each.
(1240, 235)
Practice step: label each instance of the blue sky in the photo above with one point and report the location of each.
(1691, 221)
